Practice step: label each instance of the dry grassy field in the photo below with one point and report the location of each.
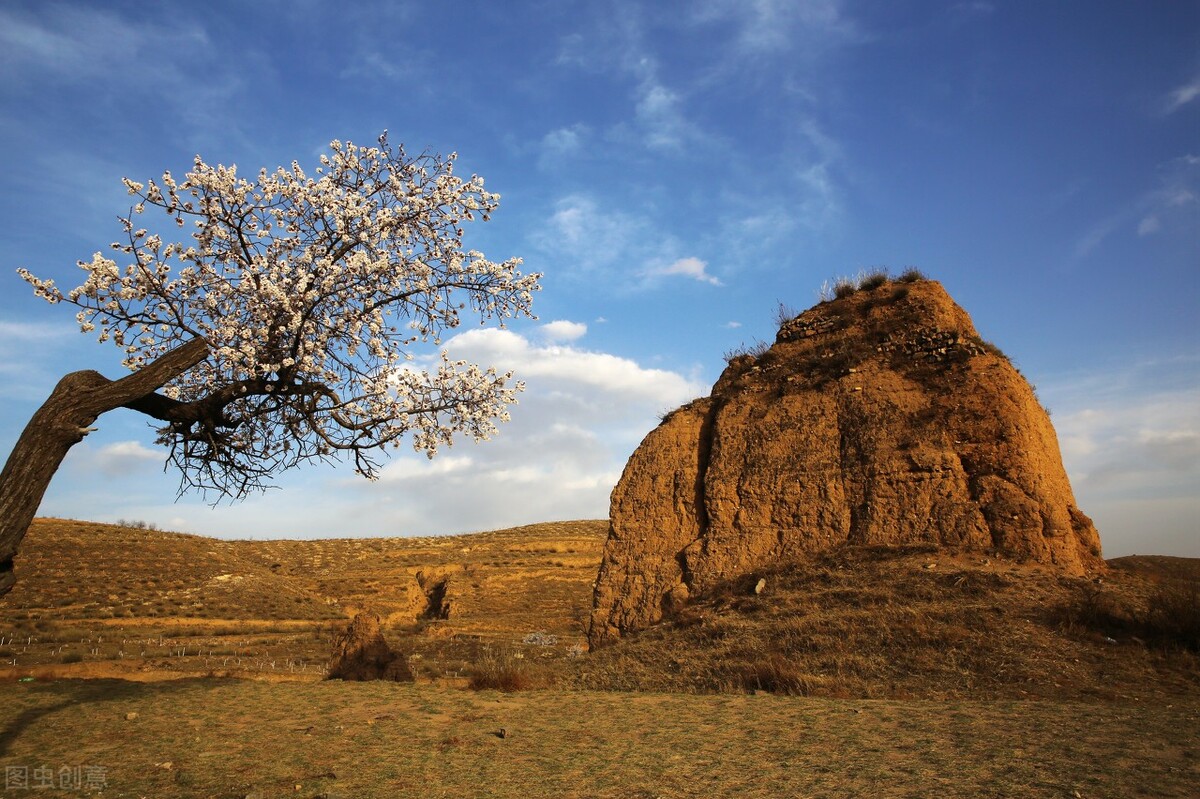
(105, 600)
(862, 673)
(234, 738)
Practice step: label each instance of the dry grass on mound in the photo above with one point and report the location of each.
(917, 623)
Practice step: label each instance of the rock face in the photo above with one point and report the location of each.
(880, 418)
(361, 653)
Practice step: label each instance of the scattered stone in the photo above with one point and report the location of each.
(761, 585)
(130, 716)
(676, 598)
(502, 733)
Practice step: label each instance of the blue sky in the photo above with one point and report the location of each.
(676, 170)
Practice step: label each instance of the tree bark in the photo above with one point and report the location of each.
(61, 422)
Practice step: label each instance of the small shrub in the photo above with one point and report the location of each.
(72, 657)
(137, 524)
(1095, 609)
(1173, 615)
(843, 287)
(503, 671)
(911, 275)
(873, 280)
(775, 674)
(756, 350)
(784, 313)
(989, 347)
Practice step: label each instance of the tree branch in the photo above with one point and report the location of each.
(149, 378)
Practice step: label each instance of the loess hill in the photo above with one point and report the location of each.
(878, 418)
(874, 506)
(916, 621)
(98, 598)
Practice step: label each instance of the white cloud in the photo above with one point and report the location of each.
(570, 435)
(79, 44)
(692, 268)
(571, 370)
(659, 116)
(1183, 95)
(562, 330)
(34, 331)
(574, 428)
(561, 144)
(114, 460)
(370, 64)
(599, 244)
(595, 237)
(779, 27)
(419, 467)
(733, 325)
(127, 451)
(33, 360)
(1130, 441)
(169, 63)
(975, 7)
(1170, 206)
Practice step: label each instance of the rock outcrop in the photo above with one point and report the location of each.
(879, 418)
(362, 653)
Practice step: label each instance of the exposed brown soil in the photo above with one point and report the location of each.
(862, 622)
(880, 418)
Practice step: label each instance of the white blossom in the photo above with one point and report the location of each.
(310, 290)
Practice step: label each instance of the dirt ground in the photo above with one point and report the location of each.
(233, 738)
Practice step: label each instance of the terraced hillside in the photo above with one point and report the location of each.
(103, 600)
(97, 599)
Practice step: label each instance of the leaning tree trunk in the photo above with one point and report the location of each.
(62, 421)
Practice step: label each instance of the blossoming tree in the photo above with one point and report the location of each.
(282, 329)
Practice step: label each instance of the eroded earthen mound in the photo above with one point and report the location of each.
(880, 418)
(361, 653)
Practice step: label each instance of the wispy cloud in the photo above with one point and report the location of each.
(770, 27)
(1170, 206)
(1182, 95)
(617, 45)
(589, 240)
(586, 238)
(80, 44)
(34, 331)
(152, 62)
(370, 64)
(114, 460)
(562, 144)
(1130, 439)
(660, 118)
(975, 7)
